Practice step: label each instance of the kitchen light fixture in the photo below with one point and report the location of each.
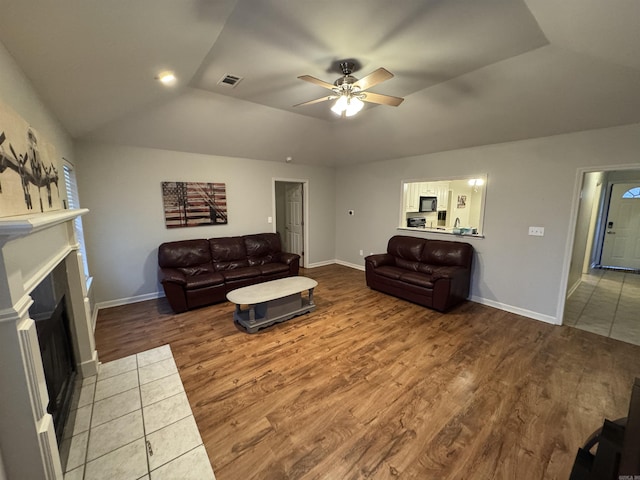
(475, 183)
(167, 78)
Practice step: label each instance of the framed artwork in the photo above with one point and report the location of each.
(462, 201)
(193, 204)
(29, 168)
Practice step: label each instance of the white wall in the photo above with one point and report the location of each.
(530, 183)
(590, 197)
(16, 92)
(121, 188)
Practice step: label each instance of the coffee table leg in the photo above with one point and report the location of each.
(252, 312)
(311, 297)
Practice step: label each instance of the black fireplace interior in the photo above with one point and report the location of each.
(51, 314)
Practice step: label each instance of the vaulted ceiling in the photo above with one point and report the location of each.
(472, 72)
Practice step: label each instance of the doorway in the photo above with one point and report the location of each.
(596, 294)
(621, 245)
(291, 207)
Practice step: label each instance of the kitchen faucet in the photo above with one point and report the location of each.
(457, 222)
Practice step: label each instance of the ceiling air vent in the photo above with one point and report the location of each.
(229, 80)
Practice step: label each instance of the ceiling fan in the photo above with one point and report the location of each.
(350, 92)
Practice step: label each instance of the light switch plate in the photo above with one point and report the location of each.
(536, 231)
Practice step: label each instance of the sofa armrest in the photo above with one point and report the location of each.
(287, 258)
(379, 259)
(453, 273)
(450, 286)
(172, 275)
(293, 261)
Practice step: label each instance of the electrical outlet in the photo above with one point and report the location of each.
(361, 253)
(536, 231)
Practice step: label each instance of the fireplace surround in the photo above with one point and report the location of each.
(31, 247)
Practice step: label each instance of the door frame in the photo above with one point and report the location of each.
(573, 219)
(603, 220)
(305, 212)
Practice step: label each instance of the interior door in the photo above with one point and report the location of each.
(621, 247)
(293, 219)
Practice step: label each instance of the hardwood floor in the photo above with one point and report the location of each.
(370, 386)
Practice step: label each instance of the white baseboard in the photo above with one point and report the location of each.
(128, 300)
(574, 287)
(517, 310)
(351, 265)
(321, 264)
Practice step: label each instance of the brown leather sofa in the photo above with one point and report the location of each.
(195, 273)
(432, 273)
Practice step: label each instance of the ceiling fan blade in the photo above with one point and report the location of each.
(381, 99)
(317, 81)
(318, 100)
(378, 76)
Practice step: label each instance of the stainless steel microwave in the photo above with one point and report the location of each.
(428, 204)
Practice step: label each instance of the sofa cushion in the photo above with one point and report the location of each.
(184, 254)
(198, 270)
(442, 252)
(228, 253)
(262, 244)
(419, 279)
(390, 272)
(408, 264)
(240, 273)
(204, 280)
(406, 248)
(273, 268)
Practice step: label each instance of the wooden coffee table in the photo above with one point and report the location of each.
(272, 302)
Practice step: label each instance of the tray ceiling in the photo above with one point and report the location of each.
(473, 72)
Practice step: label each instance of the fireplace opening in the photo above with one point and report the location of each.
(51, 315)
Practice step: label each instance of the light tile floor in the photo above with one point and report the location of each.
(607, 302)
(133, 421)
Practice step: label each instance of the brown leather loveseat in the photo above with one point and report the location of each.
(195, 273)
(432, 273)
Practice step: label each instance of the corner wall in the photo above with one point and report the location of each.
(121, 187)
(530, 183)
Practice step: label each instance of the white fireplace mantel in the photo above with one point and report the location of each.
(22, 225)
(31, 246)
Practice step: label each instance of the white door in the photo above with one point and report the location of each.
(293, 219)
(621, 246)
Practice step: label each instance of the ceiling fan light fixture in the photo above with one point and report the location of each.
(347, 105)
(350, 93)
(340, 105)
(354, 105)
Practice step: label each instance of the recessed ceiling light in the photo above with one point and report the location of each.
(167, 78)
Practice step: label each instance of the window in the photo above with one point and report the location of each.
(632, 193)
(454, 206)
(74, 202)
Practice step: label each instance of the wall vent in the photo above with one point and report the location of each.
(229, 80)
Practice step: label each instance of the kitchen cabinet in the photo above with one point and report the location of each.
(440, 190)
(411, 197)
(414, 190)
(443, 195)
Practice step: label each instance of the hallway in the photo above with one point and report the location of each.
(607, 303)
